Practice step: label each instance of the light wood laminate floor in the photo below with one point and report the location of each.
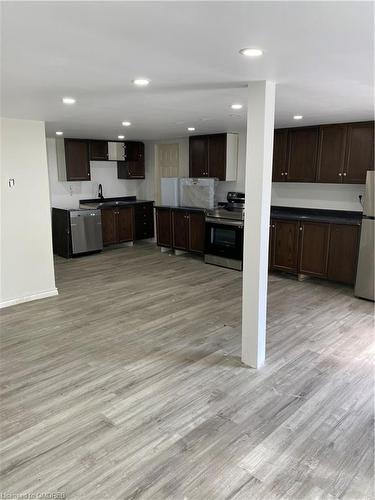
(129, 385)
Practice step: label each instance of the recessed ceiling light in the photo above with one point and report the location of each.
(251, 52)
(121, 136)
(191, 129)
(59, 133)
(297, 117)
(141, 82)
(236, 106)
(68, 100)
(126, 124)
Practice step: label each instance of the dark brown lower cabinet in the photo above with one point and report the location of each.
(196, 232)
(164, 227)
(317, 249)
(117, 225)
(343, 253)
(144, 221)
(284, 249)
(109, 227)
(188, 229)
(125, 224)
(180, 229)
(313, 248)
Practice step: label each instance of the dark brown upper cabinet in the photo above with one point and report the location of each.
(303, 146)
(198, 156)
(217, 155)
(359, 152)
(98, 150)
(214, 155)
(337, 153)
(73, 159)
(331, 153)
(133, 166)
(280, 155)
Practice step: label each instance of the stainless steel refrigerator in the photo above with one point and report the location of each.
(364, 285)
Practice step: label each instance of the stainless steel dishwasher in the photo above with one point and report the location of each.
(86, 231)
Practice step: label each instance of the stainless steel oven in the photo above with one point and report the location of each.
(224, 242)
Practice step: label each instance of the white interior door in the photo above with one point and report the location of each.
(167, 164)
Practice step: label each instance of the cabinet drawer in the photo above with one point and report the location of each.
(144, 210)
(144, 230)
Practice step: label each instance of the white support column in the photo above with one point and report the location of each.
(259, 152)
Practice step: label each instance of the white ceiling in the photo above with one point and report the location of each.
(319, 53)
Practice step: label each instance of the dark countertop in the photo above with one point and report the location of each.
(112, 202)
(293, 213)
(317, 215)
(178, 207)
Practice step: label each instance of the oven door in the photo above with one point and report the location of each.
(224, 238)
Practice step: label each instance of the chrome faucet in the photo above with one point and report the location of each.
(100, 192)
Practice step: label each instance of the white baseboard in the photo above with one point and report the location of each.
(28, 298)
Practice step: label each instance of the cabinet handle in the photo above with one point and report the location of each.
(282, 173)
(273, 225)
(286, 173)
(344, 174)
(301, 228)
(340, 174)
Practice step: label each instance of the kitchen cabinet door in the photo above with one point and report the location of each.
(133, 166)
(343, 253)
(130, 170)
(134, 150)
(359, 152)
(280, 155)
(270, 245)
(164, 227)
(313, 249)
(180, 230)
(77, 160)
(98, 150)
(144, 221)
(285, 245)
(303, 145)
(217, 156)
(198, 156)
(109, 226)
(331, 153)
(196, 231)
(125, 224)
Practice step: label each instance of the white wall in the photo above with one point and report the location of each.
(147, 188)
(27, 269)
(328, 196)
(68, 194)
